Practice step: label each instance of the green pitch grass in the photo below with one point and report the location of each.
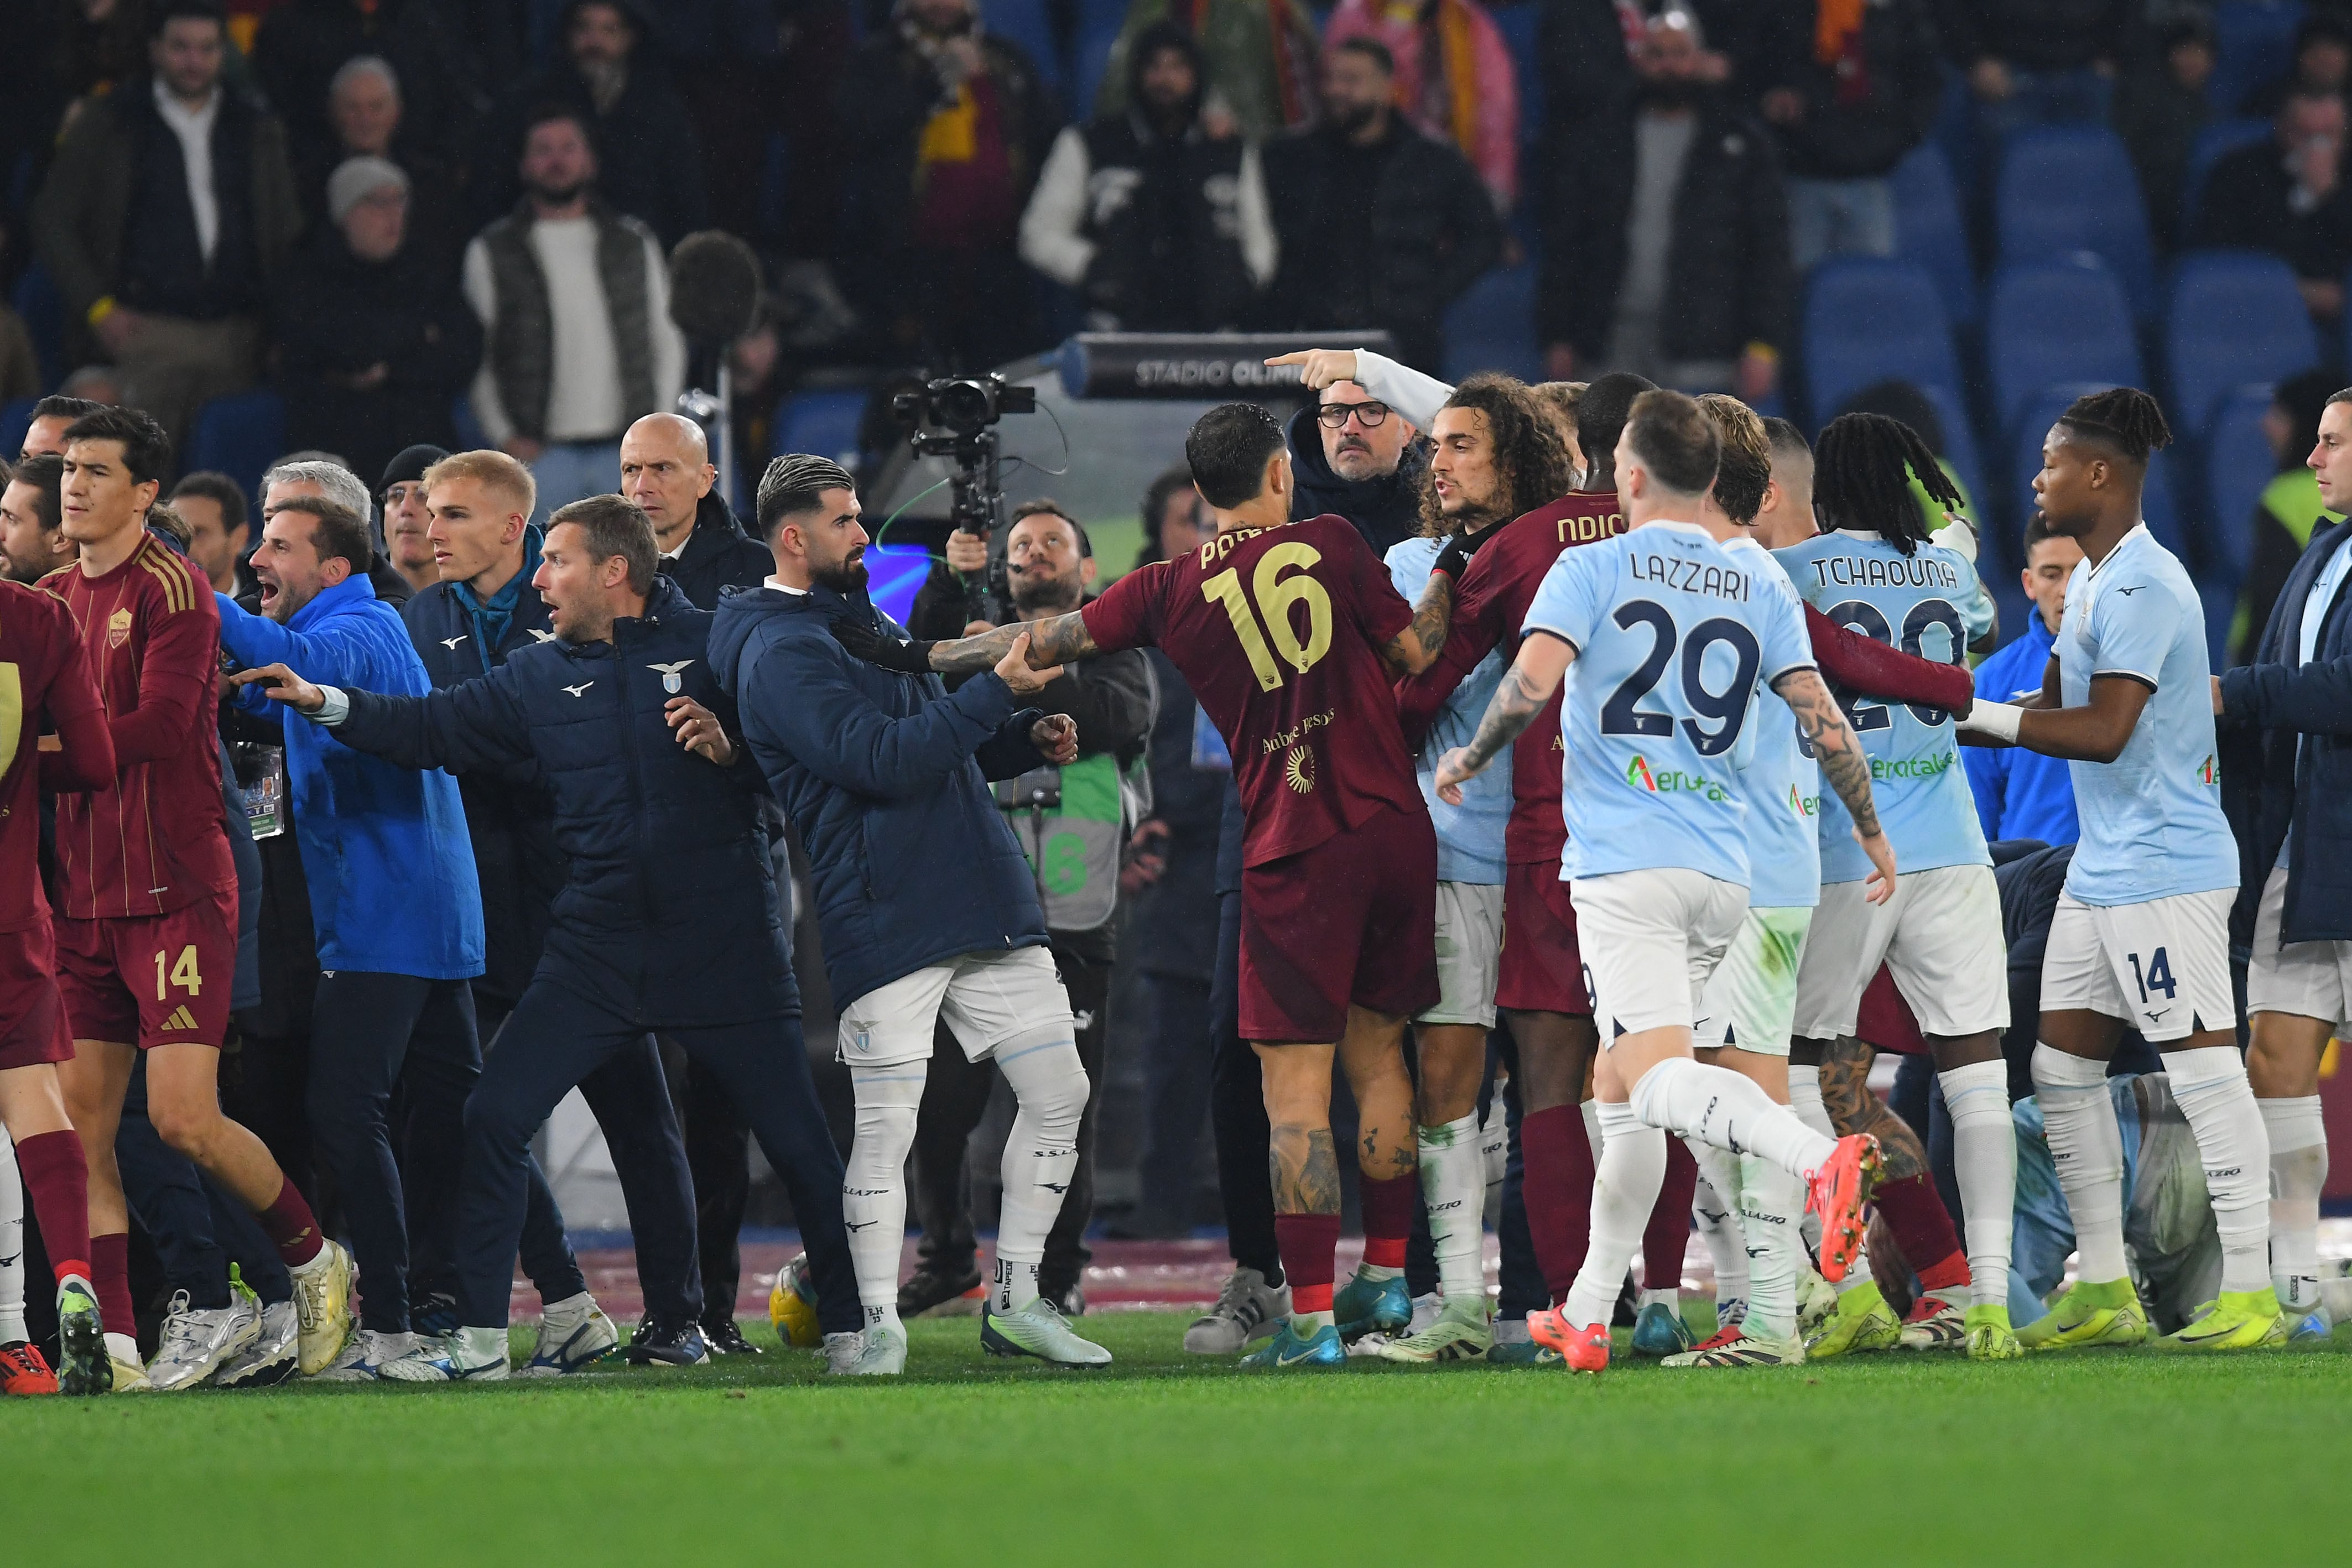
(2094, 1458)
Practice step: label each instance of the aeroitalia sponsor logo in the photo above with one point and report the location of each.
(1670, 781)
(1883, 768)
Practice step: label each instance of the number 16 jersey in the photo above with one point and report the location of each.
(1672, 633)
(1278, 631)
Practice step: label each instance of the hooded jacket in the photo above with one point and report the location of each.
(383, 848)
(884, 776)
(670, 916)
(1385, 510)
(718, 555)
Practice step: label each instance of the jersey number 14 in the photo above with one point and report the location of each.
(1267, 629)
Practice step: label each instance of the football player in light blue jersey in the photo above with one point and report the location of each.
(1666, 635)
(1494, 454)
(2141, 935)
(1876, 571)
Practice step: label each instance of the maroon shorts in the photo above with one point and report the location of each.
(1354, 919)
(1542, 969)
(1884, 1021)
(151, 979)
(32, 1019)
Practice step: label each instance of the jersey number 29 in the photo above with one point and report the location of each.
(1619, 716)
(1267, 629)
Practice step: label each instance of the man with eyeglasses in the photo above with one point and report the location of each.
(1357, 456)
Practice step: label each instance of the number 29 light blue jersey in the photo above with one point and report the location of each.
(1929, 603)
(2152, 821)
(1672, 633)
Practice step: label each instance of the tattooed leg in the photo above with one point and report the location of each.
(1853, 1108)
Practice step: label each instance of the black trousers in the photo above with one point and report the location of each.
(955, 1098)
(1237, 1108)
(1176, 1099)
(197, 1230)
(717, 1156)
(556, 1039)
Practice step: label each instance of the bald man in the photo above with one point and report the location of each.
(666, 469)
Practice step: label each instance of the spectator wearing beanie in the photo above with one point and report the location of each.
(401, 493)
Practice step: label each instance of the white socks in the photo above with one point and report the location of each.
(2299, 1170)
(2211, 1088)
(1716, 1204)
(1805, 1100)
(874, 1184)
(1770, 1200)
(1040, 1156)
(12, 1244)
(1590, 1111)
(1984, 1156)
(2087, 1148)
(1720, 1107)
(1631, 1168)
(1454, 1190)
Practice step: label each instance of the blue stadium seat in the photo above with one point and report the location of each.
(1869, 320)
(2056, 321)
(1519, 23)
(824, 423)
(1929, 229)
(16, 418)
(1030, 24)
(2214, 144)
(2063, 189)
(2255, 43)
(2238, 466)
(44, 312)
(1089, 58)
(1493, 328)
(2157, 503)
(239, 435)
(2235, 317)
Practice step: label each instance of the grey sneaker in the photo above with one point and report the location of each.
(842, 1350)
(1247, 1309)
(571, 1333)
(1041, 1330)
(269, 1359)
(881, 1352)
(470, 1355)
(195, 1342)
(364, 1354)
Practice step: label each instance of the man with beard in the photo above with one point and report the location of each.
(1161, 223)
(574, 303)
(1069, 822)
(1362, 458)
(33, 541)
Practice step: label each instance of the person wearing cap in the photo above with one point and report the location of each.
(401, 493)
(375, 342)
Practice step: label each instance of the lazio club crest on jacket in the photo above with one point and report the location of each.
(673, 675)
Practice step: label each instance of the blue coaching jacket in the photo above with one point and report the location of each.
(2020, 794)
(2298, 771)
(669, 917)
(383, 847)
(885, 777)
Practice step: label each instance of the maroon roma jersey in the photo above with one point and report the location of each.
(1278, 631)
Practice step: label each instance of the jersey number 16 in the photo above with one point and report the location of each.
(1275, 597)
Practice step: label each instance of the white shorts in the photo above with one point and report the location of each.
(994, 1001)
(1751, 1000)
(1469, 953)
(2309, 980)
(1651, 939)
(1940, 935)
(2162, 967)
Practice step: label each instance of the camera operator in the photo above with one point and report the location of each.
(927, 907)
(1070, 823)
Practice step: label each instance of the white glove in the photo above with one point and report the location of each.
(1958, 535)
(1998, 720)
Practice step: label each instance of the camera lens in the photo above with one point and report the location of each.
(963, 406)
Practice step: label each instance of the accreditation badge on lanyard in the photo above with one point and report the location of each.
(261, 783)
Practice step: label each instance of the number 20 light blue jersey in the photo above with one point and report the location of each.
(2152, 821)
(1672, 633)
(1780, 781)
(1928, 603)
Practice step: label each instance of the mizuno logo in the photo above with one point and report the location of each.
(180, 1020)
(2156, 1013)
(582, 687)
(539, 636)
(1054, 1185)
(861, 1224)
(2128, 593)
(451, 642)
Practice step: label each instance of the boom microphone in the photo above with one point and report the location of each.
(714, 287)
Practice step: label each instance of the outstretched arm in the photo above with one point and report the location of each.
(2096, 732)
(1840, 752)
(1526, 689)
(1052, 641)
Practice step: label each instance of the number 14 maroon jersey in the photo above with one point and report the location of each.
(1278, 631)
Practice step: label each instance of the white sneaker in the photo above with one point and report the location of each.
(881, 1353)
(1247, 1309)
(363, 1356)
(195, 1343)
(269, 1359)
(571, 1333)
(470, 1355)
(323, 1301)
(842, 1350)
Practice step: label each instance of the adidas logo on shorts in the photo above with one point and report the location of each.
(180, 1018)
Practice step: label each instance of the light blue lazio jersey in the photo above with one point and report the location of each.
(1780, 782)
(1469, 836)
(1672, 633)
(1928, 603)
(2152, 823)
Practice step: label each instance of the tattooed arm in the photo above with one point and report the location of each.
(1056, 640)
(1526, 687)
(1846, 1096)
(1845, 766)
(1416, 647)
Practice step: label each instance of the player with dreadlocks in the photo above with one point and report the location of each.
(2141, 936)
(1878, 571)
